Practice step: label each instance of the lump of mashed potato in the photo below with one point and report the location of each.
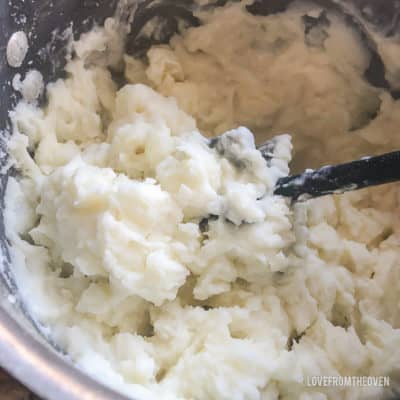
(161, 259)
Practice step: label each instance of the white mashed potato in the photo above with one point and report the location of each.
(167, 269)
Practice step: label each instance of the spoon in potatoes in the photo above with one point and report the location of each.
(330, 179)
(336, 179)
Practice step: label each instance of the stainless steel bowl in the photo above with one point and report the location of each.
(24, 351)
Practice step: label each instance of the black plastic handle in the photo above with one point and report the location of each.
(369, 171)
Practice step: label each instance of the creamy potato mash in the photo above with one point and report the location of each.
(163, 263)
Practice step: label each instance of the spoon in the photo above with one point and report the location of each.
(330, 179)
(336, 179)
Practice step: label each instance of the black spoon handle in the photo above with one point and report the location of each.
(369, 171)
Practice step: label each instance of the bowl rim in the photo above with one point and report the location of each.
(42, 370)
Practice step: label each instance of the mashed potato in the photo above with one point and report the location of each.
(164, 265)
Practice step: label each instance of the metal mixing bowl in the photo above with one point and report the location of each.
(24, 351)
